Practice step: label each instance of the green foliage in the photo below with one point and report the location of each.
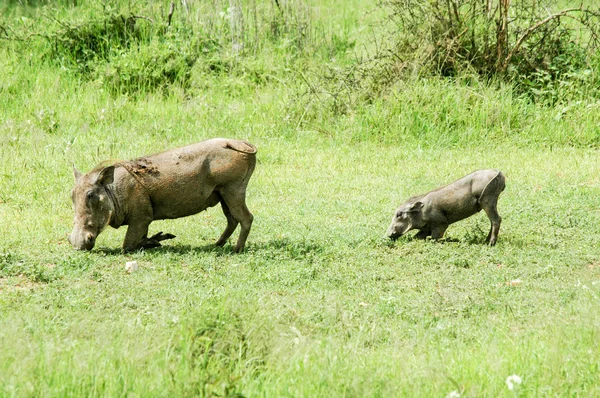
(535, 46)
(320, 303)
(217, 351)
(147, 68)
(79, 47)
(130, 52)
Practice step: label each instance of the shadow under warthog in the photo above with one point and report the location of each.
(467, 239)
(274, 248)
(176, 249)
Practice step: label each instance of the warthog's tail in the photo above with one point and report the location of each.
(241, 146)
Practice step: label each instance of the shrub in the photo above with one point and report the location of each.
(80, 46)
(493, 36)
(540, 52)
(148, 67)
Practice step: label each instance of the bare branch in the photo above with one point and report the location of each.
(530, 30)
(185, 5)
(143, 17)
(170, 13)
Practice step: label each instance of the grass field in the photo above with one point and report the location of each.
(320, 303)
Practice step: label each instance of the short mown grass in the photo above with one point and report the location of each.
(320, 303)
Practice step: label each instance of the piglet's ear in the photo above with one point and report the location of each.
(76, 173)
(106, 176)
(417, 206)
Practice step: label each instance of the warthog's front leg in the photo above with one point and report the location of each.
(437, 232)
(423, 234)
(137, 236)
(154, 240)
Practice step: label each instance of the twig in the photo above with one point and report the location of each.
(310, 86)
(530, 30)
(170, 13)
(143, 17)
(16, 37)
(185, 5)
(448, 46)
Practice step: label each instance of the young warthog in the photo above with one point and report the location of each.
(171, 184)
(432, 212)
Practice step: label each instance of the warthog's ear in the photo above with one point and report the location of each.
(76, 173)
(106, 176)
(417, 206)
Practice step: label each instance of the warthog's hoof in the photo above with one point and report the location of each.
(154, 240)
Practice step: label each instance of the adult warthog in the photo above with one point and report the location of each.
(172, 184)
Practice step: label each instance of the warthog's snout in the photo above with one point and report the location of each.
(393, 234)
(398, 227)
(85, 241)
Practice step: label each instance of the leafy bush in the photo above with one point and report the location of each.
(544, 54)
(137, 47)
(129, 53)
(150, 67)
(80, 46)
(492, 37)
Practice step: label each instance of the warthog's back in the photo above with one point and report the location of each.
(212, 160)
(461, 199)
(179, 181)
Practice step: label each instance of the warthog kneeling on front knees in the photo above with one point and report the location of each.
(433, 212)
(171, 184)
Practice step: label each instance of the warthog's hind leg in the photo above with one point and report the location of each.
(236, 202)
(490, 208)
(232, 224)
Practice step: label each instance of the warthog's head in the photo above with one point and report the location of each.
(408, 216)
(93, 206)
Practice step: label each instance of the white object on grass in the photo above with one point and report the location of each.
(131, 266)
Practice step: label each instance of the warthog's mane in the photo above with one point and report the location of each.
(416, 198)
(104, 164)
(138, 166)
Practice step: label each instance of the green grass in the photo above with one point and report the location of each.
(320, 303)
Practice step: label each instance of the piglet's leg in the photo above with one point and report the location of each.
(495, 220)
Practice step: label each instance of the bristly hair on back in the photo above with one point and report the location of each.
(106, 163)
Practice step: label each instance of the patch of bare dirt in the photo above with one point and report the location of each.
(16, 283)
